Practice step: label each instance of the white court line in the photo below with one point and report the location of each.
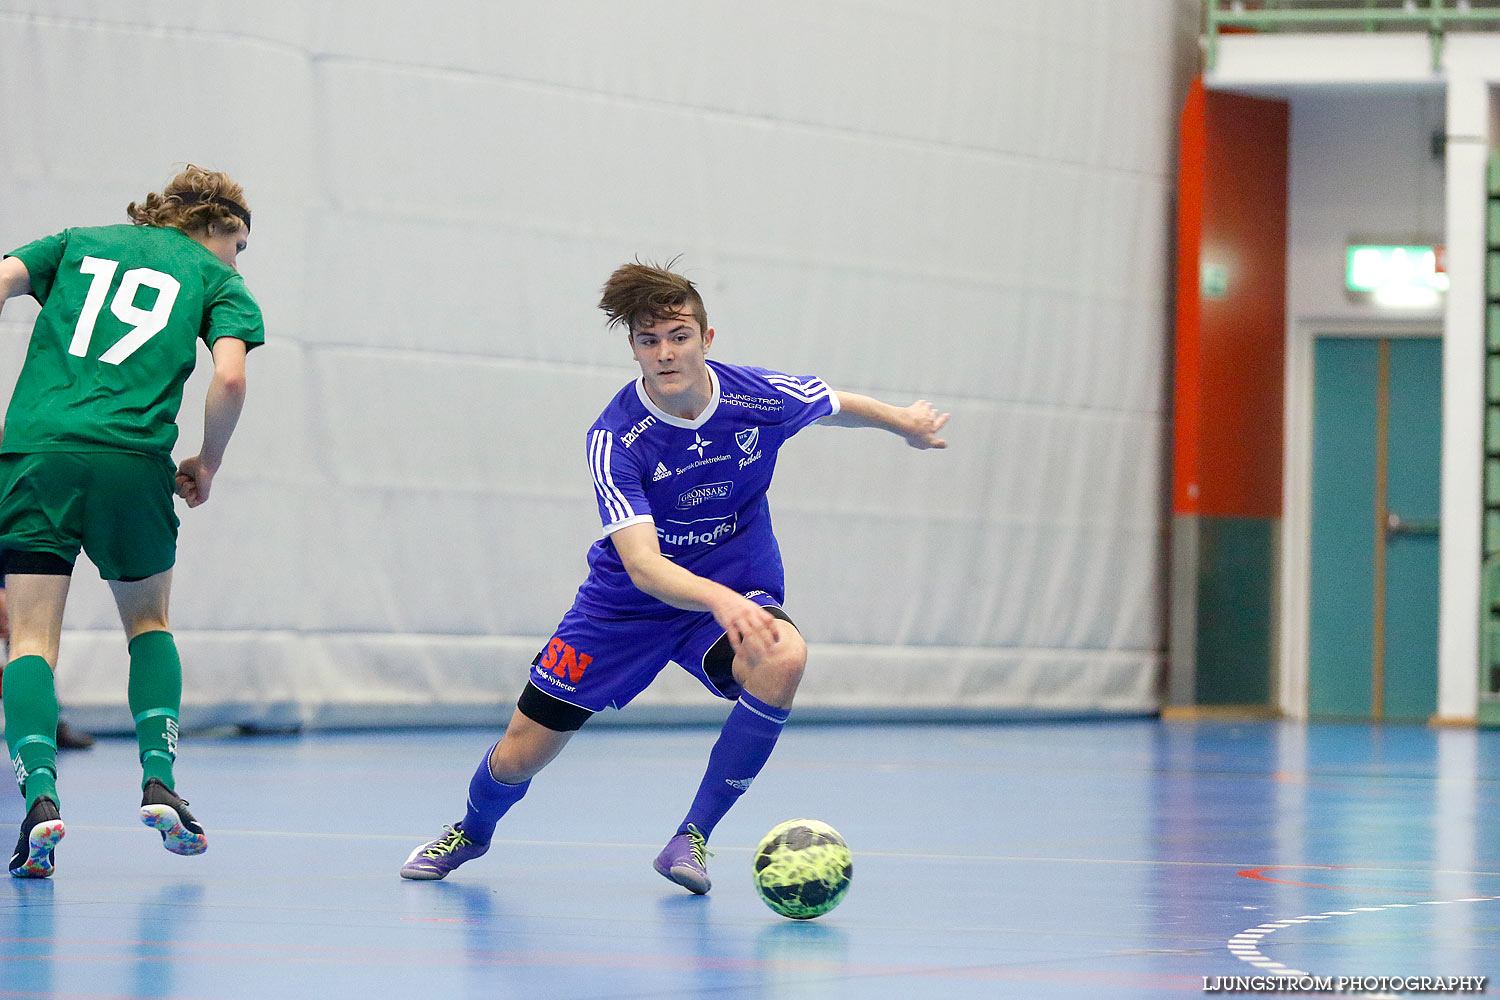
(1245, 945)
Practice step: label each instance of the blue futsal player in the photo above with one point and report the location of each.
(687, 570)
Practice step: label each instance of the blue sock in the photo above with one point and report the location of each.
(488, 801)
(744, 745)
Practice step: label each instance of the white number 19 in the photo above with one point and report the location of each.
(144, 323)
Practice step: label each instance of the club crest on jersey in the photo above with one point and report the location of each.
(662, 472)
(747, 439)
(699, 443)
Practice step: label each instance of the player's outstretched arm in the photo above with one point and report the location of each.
(918, 423)
(745, 622)
(14, 279)
(221, 411)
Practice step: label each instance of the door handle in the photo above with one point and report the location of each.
(1395, 526)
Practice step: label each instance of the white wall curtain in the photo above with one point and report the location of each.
(967, 201)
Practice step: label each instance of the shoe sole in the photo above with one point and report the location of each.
(41, 843)
(174, 836)
(422, 874)
(693, 881)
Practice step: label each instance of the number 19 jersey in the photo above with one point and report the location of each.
(701, 482)
(123, 309)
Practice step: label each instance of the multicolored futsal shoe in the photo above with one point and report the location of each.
(40, 831)
(684, 861)
(436, 859)
(164, 812)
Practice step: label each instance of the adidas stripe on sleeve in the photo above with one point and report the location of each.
(807, 397)
(617, 483)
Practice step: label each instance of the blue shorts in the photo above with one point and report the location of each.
(598, 663)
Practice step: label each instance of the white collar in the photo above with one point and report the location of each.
(667, 418)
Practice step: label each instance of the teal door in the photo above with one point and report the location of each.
(1373, 601)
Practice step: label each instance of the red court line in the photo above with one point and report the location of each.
(1256, 873)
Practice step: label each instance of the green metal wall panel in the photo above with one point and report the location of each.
(1236, 580)
(1489, 611)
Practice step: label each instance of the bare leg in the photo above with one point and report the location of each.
(143, 603)
(526, 748)
(774, 678)
(35, 603)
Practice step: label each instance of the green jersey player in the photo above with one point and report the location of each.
(86, 464)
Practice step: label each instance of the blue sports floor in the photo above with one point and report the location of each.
(1092, 859)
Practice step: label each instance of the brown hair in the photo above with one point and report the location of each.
(194, 199)
(640, 292)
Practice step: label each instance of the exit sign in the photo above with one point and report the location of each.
(1396, 275)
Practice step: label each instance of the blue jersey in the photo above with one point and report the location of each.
(702, 483)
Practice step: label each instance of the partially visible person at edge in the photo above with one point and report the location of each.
(687, 570)
(86, 464)
(68, 738)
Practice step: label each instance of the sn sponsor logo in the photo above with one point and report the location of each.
(562, 660)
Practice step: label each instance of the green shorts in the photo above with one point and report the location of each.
(114, 505)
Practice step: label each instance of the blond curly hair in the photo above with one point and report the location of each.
(196, 199)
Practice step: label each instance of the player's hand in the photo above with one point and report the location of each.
(751, 628)
(194, 480)
(4, 619)
(923, 421)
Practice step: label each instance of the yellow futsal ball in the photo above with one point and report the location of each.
(803, 868)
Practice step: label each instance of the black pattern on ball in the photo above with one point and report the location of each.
(803, 869)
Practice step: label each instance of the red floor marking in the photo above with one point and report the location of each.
(1256, 873)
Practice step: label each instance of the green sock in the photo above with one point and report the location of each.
(155, 698)
(31, 726)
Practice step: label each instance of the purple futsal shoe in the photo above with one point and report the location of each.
(683, 861)
(436, 859)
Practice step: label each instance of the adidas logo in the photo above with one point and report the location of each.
(740, 783)
(662, 472)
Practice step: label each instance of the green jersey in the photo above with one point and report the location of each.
(123, 308)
